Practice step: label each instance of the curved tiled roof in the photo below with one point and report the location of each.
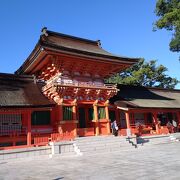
(21, 91)
(143, 97)
(67, 44)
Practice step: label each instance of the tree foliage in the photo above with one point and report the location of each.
(145, 74)
(168, 12)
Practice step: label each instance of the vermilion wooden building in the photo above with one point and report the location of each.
(59, 93)
(147, 111)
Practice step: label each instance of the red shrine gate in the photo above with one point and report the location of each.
(73, 70)
(81, 100)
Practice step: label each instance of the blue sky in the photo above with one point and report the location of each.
(123, 26)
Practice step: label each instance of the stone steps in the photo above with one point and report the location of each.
(148, 141)
(105, 148)
(109, 141)
(100, 144)
(100, 139)
(96, 138)
(72, 153)
(175, 136)
(104, 145)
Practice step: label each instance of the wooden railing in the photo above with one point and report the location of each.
(111, 86)
(37, 139)
(54, 137)
(86, 84)
(40, 141)
(62, 137)
(85, 131)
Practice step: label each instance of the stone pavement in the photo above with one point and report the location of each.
(152, 162)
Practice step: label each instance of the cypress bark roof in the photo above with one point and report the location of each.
(143, 97)
(21, 91)
(63, 43)
(81, 45)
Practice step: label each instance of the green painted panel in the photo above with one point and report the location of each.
(40, 118)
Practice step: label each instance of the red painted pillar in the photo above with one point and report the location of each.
(95, 106)
(117, 116)
(107, 117)
(74, 112)
(178, 118)
(53, 119)
(59, 114)
(29, 128)
(74, 109)
(87, 117)
(155, 120)
(128, 130)
(145, 119)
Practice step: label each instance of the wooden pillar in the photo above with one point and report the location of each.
(29, 128)
(107, 117)
(61, 112)
(53, 119)
(74, 112)
(95, 107)
(60, 115)
(87, 117)
(145, 118)
(127, 120)
(128, 130)
(117, 115)
(74, 109)
(178, 118)
(155, 120)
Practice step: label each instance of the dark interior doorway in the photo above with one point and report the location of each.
(82, 118)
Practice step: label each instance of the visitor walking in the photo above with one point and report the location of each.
(114, 128)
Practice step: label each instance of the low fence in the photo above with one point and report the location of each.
(54, 137)
(40, 141)
(85, 132)
(16, 141)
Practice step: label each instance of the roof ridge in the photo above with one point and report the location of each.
(71, 45)
(152, 88)
(47, 32)
(17, 76)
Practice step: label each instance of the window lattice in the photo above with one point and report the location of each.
(10, 123)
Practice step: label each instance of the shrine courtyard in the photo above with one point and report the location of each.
(147, 162)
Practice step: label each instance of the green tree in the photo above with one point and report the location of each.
(145, 74)
(168, 12)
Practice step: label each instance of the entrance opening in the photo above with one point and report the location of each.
(85, 125)
(82, 118)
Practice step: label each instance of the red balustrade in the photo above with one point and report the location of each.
(85, 131)
(62, 137)
(40, 141)
(54, 137)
